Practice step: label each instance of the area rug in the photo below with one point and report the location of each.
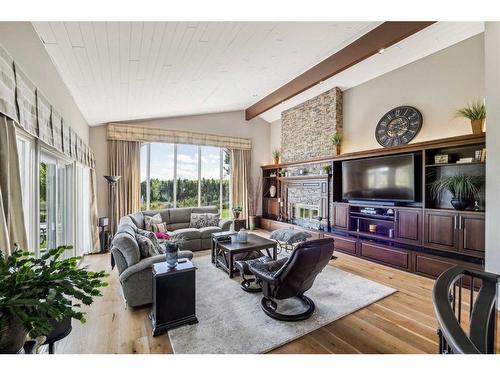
(231, 320)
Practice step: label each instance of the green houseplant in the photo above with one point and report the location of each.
(336, 140)
(237, 211)
(476, 113)
(276, 156)
(462, 188)
(327, 169)
(37, 291)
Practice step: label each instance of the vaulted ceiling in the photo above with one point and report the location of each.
(129, 70)
(118, 71)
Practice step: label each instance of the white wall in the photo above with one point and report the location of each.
(492, 70)
(23, 44)
(437, 85)
(228, 123)
(275, 131)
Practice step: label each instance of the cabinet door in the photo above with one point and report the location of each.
(441, 230)
(471, 232)
(408, 226)
(340, 215)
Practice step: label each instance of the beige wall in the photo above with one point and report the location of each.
(492, 70)
(23, 44)
(228, 123)
(275, 131)
(437, 85)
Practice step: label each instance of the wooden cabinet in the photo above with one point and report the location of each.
(270, 207)
(386, 255)
(345, 245)
(455, 231)
(340, 215)
(408, 226)
(440, 230)
(471, 232)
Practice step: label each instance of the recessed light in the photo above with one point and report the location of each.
(381, 50)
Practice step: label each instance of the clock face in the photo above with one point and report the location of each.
(398, 126)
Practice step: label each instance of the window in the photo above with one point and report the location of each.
(83, 240)
(55, 203)
(184, 176)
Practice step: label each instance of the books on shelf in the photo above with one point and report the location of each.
(465, 160)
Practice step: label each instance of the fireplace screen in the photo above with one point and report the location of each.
(305, 211)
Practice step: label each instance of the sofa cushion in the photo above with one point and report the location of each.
(187, 234)
(212, 220)
(159, 227)
(206, 232)
(150, 220)
(146, 247)
(138, 219)
(177, 226)
(205, 210)
(198, 220)
(125, 242)
(179, 215)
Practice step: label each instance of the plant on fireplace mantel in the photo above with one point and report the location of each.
(35, 292)
(276, 156)
(336, 142)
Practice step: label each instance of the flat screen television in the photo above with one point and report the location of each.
(384, 179)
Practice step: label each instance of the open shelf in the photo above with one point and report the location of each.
(372, 217)
(455, 164)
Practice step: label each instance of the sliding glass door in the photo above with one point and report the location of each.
(56, 183)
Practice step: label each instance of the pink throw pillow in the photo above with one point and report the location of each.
(162, 235)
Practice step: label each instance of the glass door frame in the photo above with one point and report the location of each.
(47, 153)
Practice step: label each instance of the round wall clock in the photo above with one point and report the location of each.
(398, 126)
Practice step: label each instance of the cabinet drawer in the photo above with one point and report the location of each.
(385, 255)
(431, 267)
(344, 245)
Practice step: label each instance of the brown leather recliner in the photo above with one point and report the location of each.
(292, 277)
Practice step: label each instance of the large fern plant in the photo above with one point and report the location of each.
(37, 291)
(460, 186)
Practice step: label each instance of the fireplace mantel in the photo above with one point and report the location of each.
(304, 177)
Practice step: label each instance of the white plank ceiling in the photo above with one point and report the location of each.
(120, 71)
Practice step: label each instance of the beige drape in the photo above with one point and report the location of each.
(124, 160)
(12, 229)
(241, 162)
(94, 231)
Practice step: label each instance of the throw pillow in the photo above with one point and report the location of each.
(198, 221)
(149, 220)
(162, 235)
(145, 246)
(155, 248)
(213, 220)
(158, 227)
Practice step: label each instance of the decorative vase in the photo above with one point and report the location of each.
(337, 149)
(272, 191)
(477, 126)
(460, 204)
(12, 337)
(172, 254)
(251, 222)
(276, 160)
(236, 214)
(242, 236)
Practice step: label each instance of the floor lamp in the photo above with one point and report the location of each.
(112, 181)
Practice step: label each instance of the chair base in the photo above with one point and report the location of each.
(245, 285)
(269, 307)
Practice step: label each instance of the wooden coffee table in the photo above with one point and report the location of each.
(226, 251)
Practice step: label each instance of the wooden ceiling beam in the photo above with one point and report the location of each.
(382, 36)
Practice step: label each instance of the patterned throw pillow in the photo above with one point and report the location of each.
(150, 220)
(212, 220)
(161, 227)
(145, 246)
(198, 221)
(153, 247)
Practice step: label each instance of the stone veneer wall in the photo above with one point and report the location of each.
(306, 129)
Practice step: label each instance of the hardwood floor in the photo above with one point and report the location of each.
(400, 323)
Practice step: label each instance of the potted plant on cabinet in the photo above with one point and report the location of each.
(476, 113)
(35, 292)
(463, 189)
(254, 189)
(336, 141)
(276, 156)
(237, 211)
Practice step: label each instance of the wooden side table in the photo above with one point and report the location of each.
(239, 223)
(174, 296)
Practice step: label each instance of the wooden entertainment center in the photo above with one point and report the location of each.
(425, 237)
